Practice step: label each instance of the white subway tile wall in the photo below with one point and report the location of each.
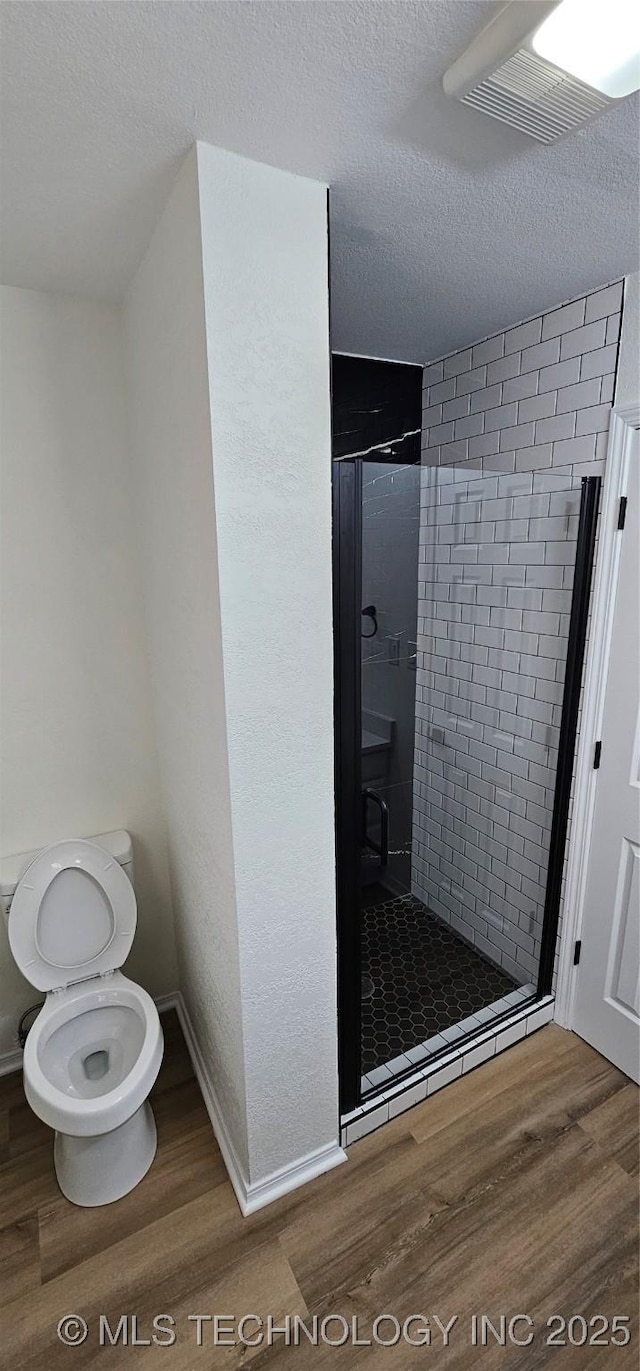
(510, 426)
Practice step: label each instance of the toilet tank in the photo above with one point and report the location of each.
(12, 869)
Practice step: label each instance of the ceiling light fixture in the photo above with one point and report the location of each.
(546, 67)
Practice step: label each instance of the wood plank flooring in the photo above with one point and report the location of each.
(513, 1191)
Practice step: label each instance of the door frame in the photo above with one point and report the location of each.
(624, 420)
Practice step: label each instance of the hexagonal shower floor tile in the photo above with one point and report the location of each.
(425, 978)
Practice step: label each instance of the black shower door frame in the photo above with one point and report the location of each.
(347, 602)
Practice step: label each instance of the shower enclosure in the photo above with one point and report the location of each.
(461, 596)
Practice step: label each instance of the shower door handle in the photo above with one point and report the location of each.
(381, 848)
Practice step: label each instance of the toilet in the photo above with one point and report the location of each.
(95, 1049)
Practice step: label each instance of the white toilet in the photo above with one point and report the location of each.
(95, 1048)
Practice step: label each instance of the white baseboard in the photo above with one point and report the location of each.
(10, 1061)
(290, 1177)
(252, 1195)
(230, 1157)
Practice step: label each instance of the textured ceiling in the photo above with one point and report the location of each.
(445, 224)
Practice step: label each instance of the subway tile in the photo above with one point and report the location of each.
(538, 666)
(479, 1054)
(524, 335)
(500, 461)
(544, 577)
(520, 436)
(455, 451)
(407, 1099)
(511, 530)
(481, 445)
(581, 340)
(444, 390)
(596, 419)
(520, 387)
(470, 426)
(539, 621)
(579, 396)
(565, 503)
(379, 1075)
(497, 509)
(511, 1035)
(531, 458)
(536, 407)
(456, 408)
(510, 575)
(488, 350)
(432, 374)
(504, 368)
(471, 381)
(562, 374)
(559, 321)
(604, 302)
(613, 329)
(531, 506)
(524, 597)
(519, 640)
(539, 1017)
(444, 1076)
(556, 480)
(485, 398)
(581, 449)
(607, 388)
(458, 362)
(501, 417)
(441, 433)
(552, 528)
(519, 484)
(599, 363)
(557, 601)
(367, 1123)
(558, 426)
(541, 355)
(432, 414)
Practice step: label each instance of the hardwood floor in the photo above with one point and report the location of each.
(513, 1191)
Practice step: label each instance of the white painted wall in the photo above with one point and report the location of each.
(77, 748)
(227, 326)
(171, 452)
(266, 290)
(628, 377)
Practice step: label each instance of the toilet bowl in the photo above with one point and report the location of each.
(95, 1049)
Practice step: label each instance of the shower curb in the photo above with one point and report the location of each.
(490, 1042)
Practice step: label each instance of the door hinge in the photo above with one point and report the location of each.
(622, 511)
(597, 753)
(576, 952)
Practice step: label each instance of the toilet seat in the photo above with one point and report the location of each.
(72, 917)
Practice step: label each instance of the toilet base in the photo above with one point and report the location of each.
(101, 1169)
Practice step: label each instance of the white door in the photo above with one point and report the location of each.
(607, 991)
(607, 1001)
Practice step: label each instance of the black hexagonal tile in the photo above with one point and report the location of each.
(425, 978)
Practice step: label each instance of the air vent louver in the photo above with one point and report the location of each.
(535, 97)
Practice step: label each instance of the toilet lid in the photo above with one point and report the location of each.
(73, 915)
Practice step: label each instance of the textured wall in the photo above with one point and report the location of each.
(175, 511)
(510, 427)
(264, 248)
(628, 374)
(78, 751)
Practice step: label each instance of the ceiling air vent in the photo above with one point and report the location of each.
(507, 72)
